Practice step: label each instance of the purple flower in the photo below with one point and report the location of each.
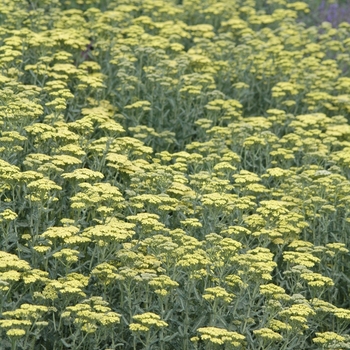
(322, 6)
(334, 13)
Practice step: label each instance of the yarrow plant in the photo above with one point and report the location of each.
(174, 174)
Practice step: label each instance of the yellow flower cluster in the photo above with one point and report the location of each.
(90, 314)
(144, 322)
(221, 336)
(179, 168)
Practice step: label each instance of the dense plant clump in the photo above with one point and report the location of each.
(174, 175)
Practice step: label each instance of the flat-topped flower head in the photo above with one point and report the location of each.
(114, 231)
(144, 105)
(300, 258)
(149, 223)
(147, 321)
(7, 171)
(27, 311)
(246, 177)
(342, 314)
(15, 332)
(316, 280)
(191, 223)
(234, 231)
(162, 285)
(67, 255)
(83, 175)
(57, 235)
(257, 264)
(70, 287)
(220, 336)
(329, 339)
(10, 262)
(271, 290)
(8, 215)
(268, 334)
(91, 315)
(65, 160)
(102, 197)
(20, 321)
(217, 293)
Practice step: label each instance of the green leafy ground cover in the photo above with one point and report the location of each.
(183, 185)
